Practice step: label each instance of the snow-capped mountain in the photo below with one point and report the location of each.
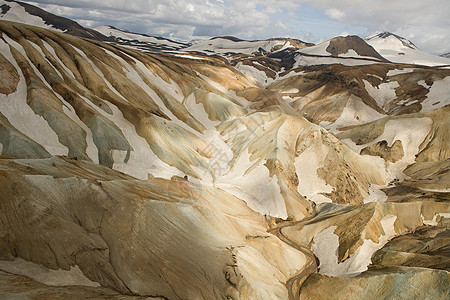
(21, 12)
(388, 40)
(401, 50)
(344, 47)
(234, 46)
(141, 41)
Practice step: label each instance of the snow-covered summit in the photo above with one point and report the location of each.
(389, 41)
(401, 50)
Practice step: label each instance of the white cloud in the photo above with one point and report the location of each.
(334, 13)
(185, 19)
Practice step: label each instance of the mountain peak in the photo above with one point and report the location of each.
(342, 44)
(395, 40)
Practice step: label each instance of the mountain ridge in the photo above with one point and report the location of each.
(57, 22)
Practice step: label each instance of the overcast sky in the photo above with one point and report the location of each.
(425, 22)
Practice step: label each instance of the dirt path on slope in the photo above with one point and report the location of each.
(294, 283)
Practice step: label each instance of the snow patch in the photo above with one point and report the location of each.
(53, 52)
(376, 194)
(197, 110)
(142, 160)
(301, 60)
(326, 245)
(438, 95)
(306, 164)
(109, 31)
(260, 191)
(223, 46)
(259, 75)
(399, 71)
(17, 13)
(382, 94)
(15, 108)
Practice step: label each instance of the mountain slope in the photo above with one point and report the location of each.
(232, 45)
(401, 50)
(25, 13)
(348, 46)
(140, 41)
(120, 107)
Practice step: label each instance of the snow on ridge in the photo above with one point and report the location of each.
(130, 36)
(17, 13)
(317, 50)
(400, 50)
(20, 114)
(224, 45)
(386, 40)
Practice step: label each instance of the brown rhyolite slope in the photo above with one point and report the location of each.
(154, 237)
(152, 93)
(356, 224)
(324, 90)
(20, 287)
(8, 76)
(384, 283)
(427, 247)
(342, 44)
(382, 149)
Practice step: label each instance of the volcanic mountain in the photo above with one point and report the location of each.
(401, 50)
(176, 174)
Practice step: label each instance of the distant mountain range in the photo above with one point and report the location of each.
(388, 45)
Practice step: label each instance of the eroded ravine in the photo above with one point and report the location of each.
(310, 266)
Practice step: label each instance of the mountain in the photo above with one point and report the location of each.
(348, 46)
(401, 50)
(25, 13)
(169, 174)
(140, 41)
(231, 46)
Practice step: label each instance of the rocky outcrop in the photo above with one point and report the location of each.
(342, 44)
(382, 149)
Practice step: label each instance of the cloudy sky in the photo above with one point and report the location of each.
(426, 23)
